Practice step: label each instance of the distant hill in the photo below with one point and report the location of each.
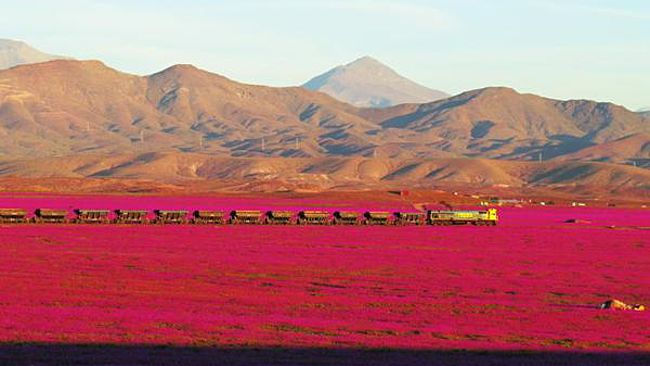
(367, 82)
(501, 123)
(14, 53)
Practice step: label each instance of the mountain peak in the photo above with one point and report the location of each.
(182, 68)
(9, 43)
(495, 91)
(366, 61)
(188, 73)
(13, 53)
(70, 67)
(179, 70)
(370, 68)
(366, 82)
(366, 58)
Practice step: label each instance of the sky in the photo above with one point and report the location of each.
(571, 49)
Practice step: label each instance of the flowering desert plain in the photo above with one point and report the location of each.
(524, 292)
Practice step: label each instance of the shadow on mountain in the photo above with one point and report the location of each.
(568, 144)
(564, 173)
(404, 121)
(563, 145)
(79, 354)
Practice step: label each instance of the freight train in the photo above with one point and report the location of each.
(487, 217)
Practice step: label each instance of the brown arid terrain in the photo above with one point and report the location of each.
(635, 148)
(183, 125)
(328, 173)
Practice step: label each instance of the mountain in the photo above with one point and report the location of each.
(367, 82)
(63, 107)
(501, 123)
(14, 53)
(84, 119)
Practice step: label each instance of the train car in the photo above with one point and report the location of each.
(13, 216)
(50, 216)
(246, 217)
(208, 217)
(377, 218)
(313, 218)
(346, 218)
(487, 217)
(410, 218)
(131, 217)
(91, 216)
(279, 218)
(165, 217)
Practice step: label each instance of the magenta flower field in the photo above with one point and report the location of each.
(532, 283)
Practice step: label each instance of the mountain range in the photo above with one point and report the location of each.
(66, 107)
(84, 119)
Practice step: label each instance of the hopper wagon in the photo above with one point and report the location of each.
(91, 216)
(131, 217)
(279, 217)
(487, 217)
(50, 216)
(13, 216)
(246, 217)
(208, 217)
(410, 218)
(313, 218)
(377, 218)
(170, 217)
(346, 218)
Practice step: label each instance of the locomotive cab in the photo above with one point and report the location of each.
(492, 215)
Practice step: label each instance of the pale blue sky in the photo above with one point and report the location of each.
(593, 49)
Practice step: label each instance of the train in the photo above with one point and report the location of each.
(488, 217)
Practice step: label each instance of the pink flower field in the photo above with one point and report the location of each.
(532, 283)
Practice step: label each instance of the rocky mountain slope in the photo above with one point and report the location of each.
(633, 149)
(64, 107)
(500, 123)
(367, 82)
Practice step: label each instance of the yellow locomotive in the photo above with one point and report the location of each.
(487, 217)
